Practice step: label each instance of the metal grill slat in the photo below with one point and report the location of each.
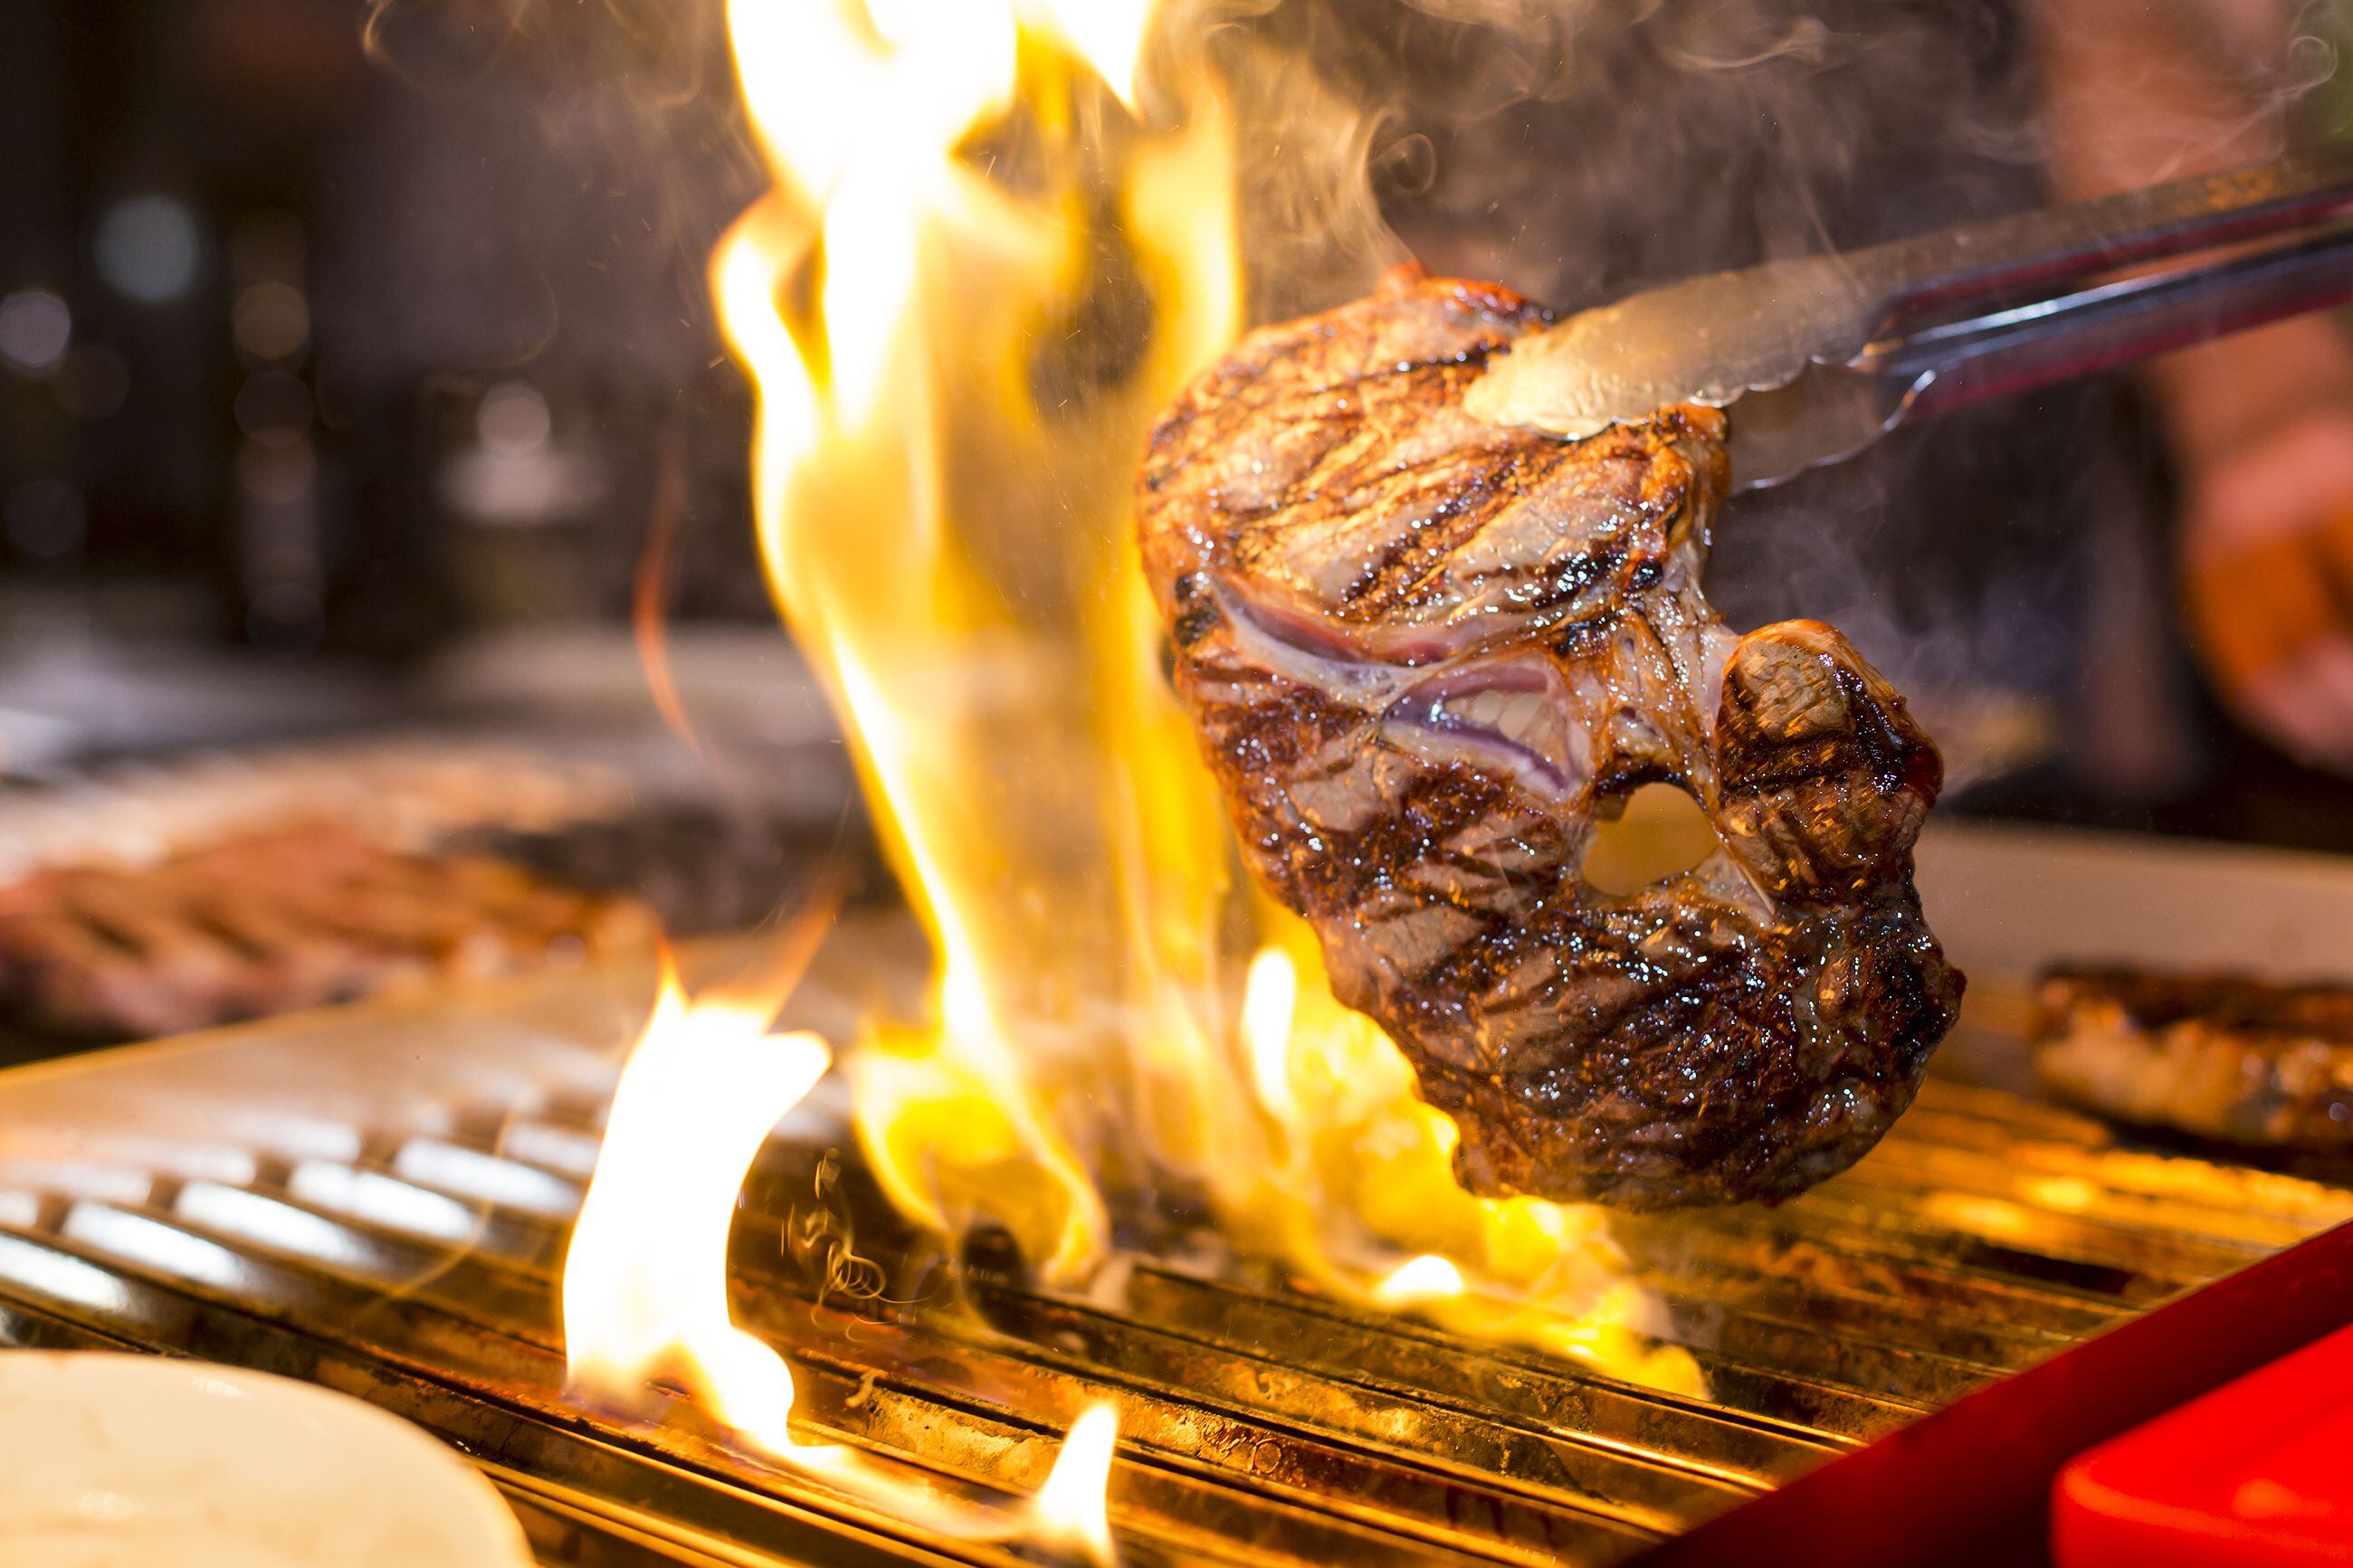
(606, 1476)
(415, 1263)
(1309, 1401)
(412, 1334)
(1343, 1342)
(308, 1292)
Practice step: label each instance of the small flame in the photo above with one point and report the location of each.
(1072, 1507)
(1355, 1140)
(649, 597)
(645, 1280)
(1424, 1278)
(1270, 996)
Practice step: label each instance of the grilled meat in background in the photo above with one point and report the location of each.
(267, 923)
(1426, 655)
(157, 897)
(2253, 1063)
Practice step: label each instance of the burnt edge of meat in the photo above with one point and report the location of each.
(1424, 654)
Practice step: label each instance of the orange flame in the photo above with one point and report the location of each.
(883, 258)
(648, 596)
(991, 254)
(1071, 1508)
(644, 1276)
(645, 1280)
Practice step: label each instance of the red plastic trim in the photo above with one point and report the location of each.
(2258, 1474)
(1971, 1483)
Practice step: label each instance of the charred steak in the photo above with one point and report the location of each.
(2223, 1056)
(1425, 654)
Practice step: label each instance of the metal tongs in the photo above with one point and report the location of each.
(1827, 354)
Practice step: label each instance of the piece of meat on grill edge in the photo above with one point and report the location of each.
(1424, 654)
(2228, 1057)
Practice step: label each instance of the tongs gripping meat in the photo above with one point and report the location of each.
(1425, 652)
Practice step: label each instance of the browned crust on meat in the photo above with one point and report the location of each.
(1348, 562)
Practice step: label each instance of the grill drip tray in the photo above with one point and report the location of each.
(376, 1199)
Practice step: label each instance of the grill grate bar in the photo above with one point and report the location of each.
(1329, 1338)
(381, 1201)
(1854, 1390)
(1894, 1319)
(2200, 1198)
(887, 1405)
(935, 1443)
(597, 1476)
(1963, 1238)
(1769, 1256)
(1779, 1367)
(1852, 1384)
(1338, 1341)
(413, 1260)
(1633, 1490)
(1613, 1480)
(2167, 1235)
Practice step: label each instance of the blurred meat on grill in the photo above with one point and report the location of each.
(269, 920)
(700, 868)
(2223, 1056)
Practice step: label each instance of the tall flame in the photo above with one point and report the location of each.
(887, 286)
(994, 247)
(991, 252)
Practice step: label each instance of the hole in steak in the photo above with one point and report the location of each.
(1661, 833)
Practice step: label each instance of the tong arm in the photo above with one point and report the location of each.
(1832, 411)
(2004, 258)
(1714, 338)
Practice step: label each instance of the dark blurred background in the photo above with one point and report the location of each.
(332, 338)
(351, 355)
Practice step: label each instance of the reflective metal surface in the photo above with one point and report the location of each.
(377, 1200)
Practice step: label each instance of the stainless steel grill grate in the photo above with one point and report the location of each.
(377, 1200)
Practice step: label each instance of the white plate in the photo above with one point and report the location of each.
(107, 1461)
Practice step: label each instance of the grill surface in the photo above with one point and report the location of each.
(376, 1199)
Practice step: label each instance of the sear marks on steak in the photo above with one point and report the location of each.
(2221, 1056)
(1425, 654)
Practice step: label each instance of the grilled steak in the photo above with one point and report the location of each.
(1425, 654)
(2217, 1056)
